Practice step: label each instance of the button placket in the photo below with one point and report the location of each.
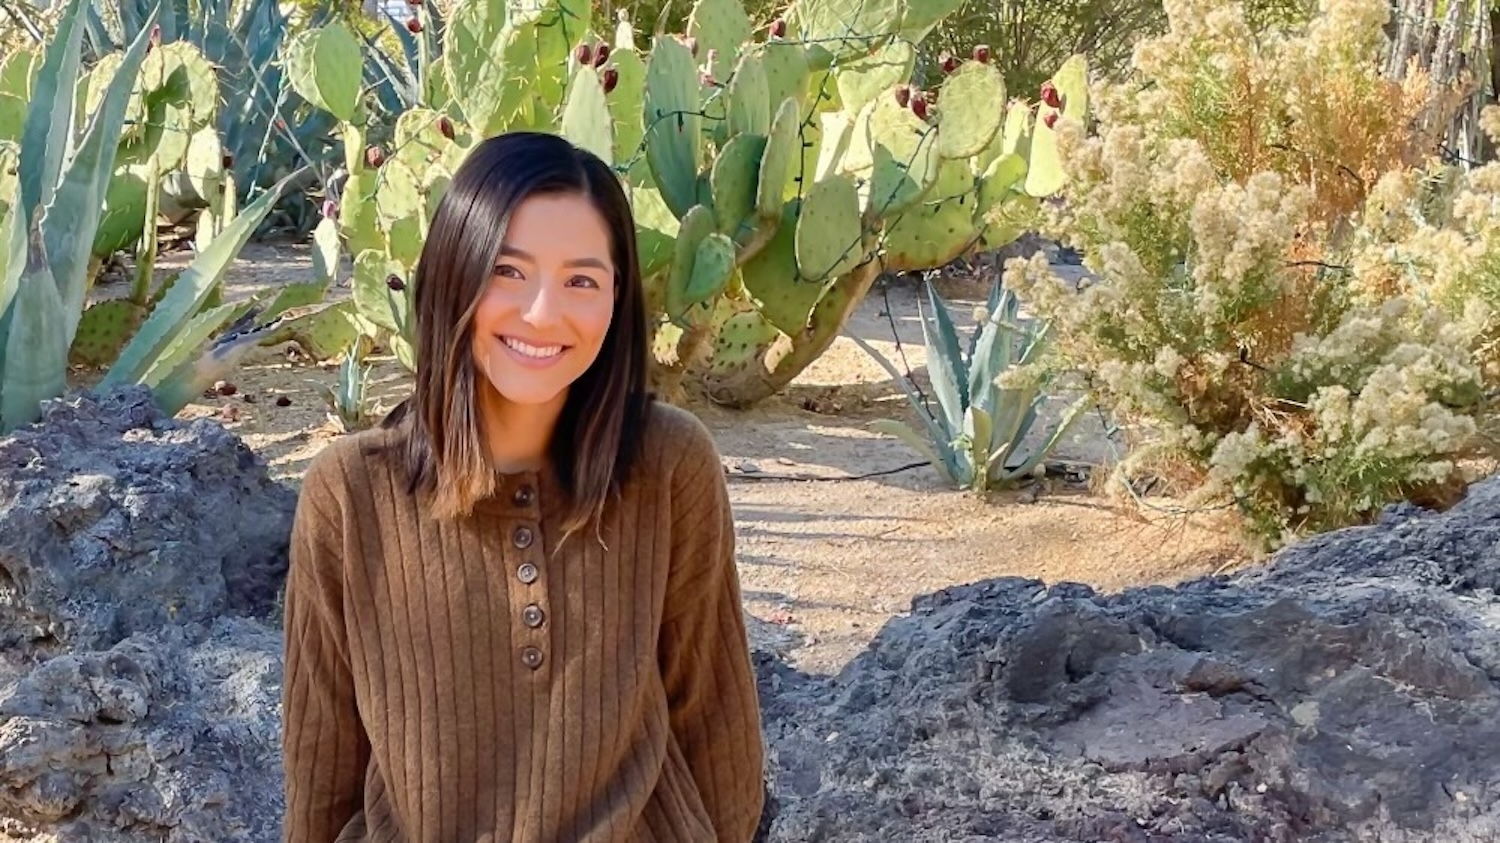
(523, 539)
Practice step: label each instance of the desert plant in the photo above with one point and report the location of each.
(988, 395)
(1225, 315)
(49, 217)
(348, 398)
(773, 177)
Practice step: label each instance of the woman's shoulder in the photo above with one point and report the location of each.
(349, 464)
(679, 448)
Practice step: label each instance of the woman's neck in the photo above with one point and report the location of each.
(517, 435)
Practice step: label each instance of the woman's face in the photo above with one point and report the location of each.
(542, 320)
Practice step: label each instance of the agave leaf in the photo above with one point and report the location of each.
(12, 255)
(49, 120)
(171, 317)
(943, 464)
(945, 362)
(195, 374)
(186, 344)
(978, 426)
(936, 433)
(69, 220)
(33, 365)
(1070, 418)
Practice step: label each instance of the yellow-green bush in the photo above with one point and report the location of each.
(1221, 202)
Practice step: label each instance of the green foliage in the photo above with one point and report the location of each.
(1261, 299)
(773, 176)
(988, 395)
(52, 213)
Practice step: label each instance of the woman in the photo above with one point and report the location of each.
(513, 612)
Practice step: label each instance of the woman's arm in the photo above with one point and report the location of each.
(705, 655)
(324, 748)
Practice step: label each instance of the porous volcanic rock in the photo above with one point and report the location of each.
(140, 667)
(117, 519)
(1346, 691)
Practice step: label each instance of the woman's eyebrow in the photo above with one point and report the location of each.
(511, 251)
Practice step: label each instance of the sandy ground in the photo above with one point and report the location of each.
(839, 527)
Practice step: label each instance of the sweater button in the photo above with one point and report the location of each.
(524, 496)
(532, 615)
(527, 573)
(522, 537)
(531, 657)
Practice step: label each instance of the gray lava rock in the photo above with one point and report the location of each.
(1345, 692)
(116, 519)
(140, 668)
(171, 736)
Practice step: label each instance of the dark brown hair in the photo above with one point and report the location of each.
(595, 445)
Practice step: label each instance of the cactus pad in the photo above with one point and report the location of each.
(969, 114)
(770, 278)
(103, 330)
(837, 130)
(373, 297)
(749, 98)
(324, 66)
(782, 147)
(867, 77)
(1000, 182)
(204, 163)
(1044, 174)
(904, 155)
(735, 176)
(741, 338)
(16, 72)
(837, 30)
(787, 71)
(713, 264)
(585, 119)
(829, 236)
(655, 229)
(697, 224)
(625, 104)
(939, 229)
(922, 16)
(721, 26)
(673, 129)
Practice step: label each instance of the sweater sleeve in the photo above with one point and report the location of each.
(325, 751)
(705, 654)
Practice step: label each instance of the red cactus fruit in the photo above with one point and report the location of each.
(778, 28)
(601, 54)
(1050, 95)
(394, 282)
(374, 157)
(982, 53)
(227, 161)
(919, 108)
(446, 127)
(611, 79)
(413, 26)
(584, 54)
(903, 95)
(1051, 119)
(330, 209)
(950, 63)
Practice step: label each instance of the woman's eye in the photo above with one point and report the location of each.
(585, 281)
(507, 271)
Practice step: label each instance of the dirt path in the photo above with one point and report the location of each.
(829, 559)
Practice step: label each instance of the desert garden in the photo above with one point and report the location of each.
(1111, 441)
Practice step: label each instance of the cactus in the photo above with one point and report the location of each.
(773, 177)
(53, 217)
(975, 436)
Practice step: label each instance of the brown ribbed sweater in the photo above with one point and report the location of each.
(464, 682)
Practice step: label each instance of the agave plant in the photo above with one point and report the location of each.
(976, 435)
(48, 222)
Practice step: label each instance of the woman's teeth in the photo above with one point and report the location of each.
(539, 352)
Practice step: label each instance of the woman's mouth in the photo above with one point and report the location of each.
(532, 353)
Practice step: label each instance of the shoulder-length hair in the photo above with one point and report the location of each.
(597, 439)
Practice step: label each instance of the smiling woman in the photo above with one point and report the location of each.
(513, 610)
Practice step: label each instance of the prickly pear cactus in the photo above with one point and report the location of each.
(774, 174)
